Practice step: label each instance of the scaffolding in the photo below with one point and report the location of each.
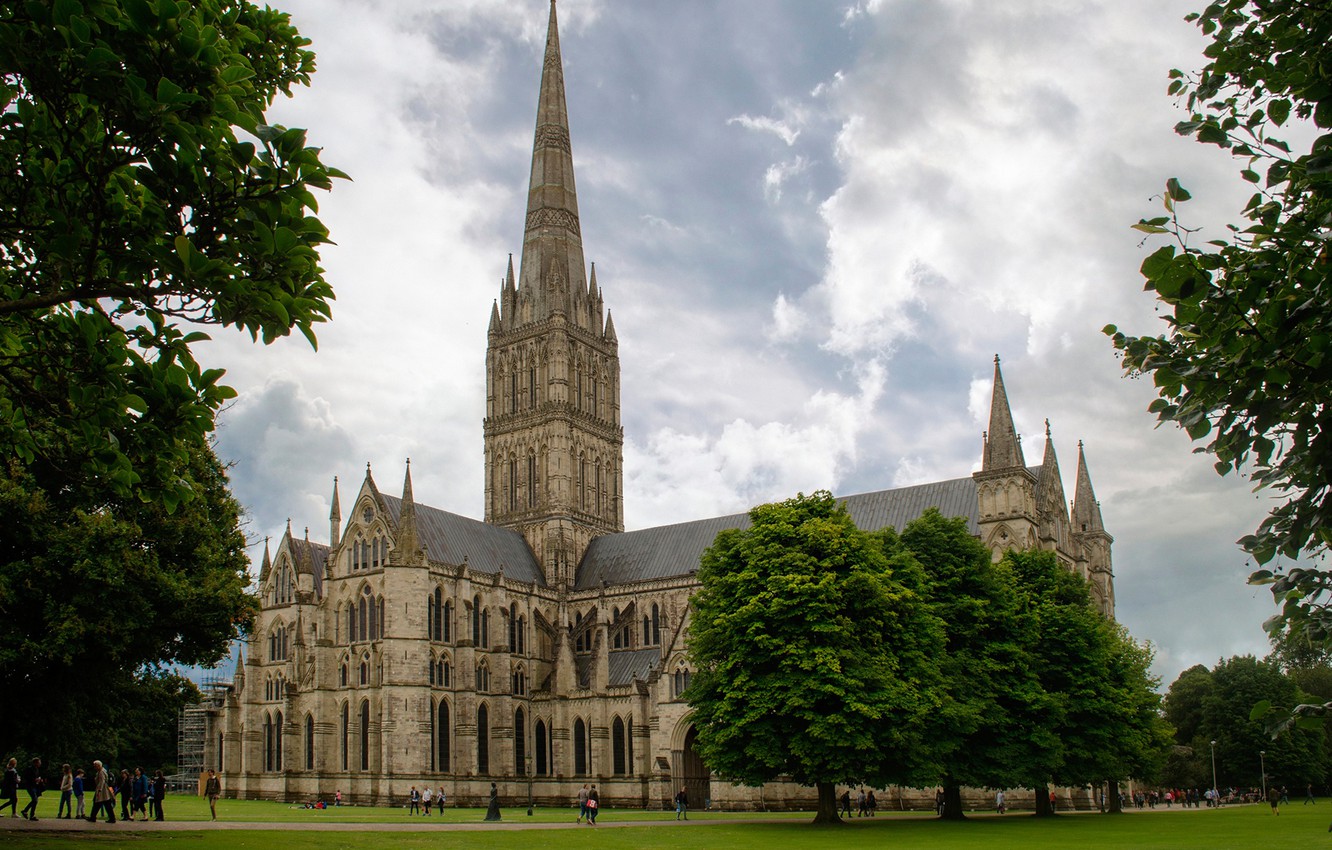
(192, 730)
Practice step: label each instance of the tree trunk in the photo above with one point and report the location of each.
(1112, 798)
(827, 812)
(952, 801)
(1043, 808)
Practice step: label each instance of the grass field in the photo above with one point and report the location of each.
(1242, 828)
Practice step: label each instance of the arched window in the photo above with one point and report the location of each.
(277, 741)
(647, 631)
(365, 673)
(268, 742)
(485, 628)
(351, 623)
(447, 621)
(476, 621)
(513, 627)
(363, 616)
(365, 734)
(309, 742)
(346, 733)
(519, 681)
(444, 736)
(539, 734)
(681, 680)
(482, 678)
(342, 674)
(519, 743)
(442, 674)
(617, 747)
(482, 741)
(531, 480)
(580, 748)
(656, 625)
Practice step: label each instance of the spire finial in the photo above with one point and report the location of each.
(1003, 449)
(1047, 428)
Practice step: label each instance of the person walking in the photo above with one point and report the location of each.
(158, 793)
(939, 802)
(593, 804)
(9, 789)
(213, 790)
(846, 802)
(870, 802)
(125, 789)
(33, 784)
(1274, 799)
(582, 803)
(999, 802)
(103, 794)
(78, 795)
(426, 796)
(141, 787)
(861, 811)
(682, 804)
(1309, 795)
(66, 793)
(414, 802)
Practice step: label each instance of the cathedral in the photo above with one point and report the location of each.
(542, 648)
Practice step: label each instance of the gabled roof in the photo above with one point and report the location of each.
(310, 557)
(449, 538)
(672, 551)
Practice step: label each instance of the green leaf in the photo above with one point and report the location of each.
(1279, 111)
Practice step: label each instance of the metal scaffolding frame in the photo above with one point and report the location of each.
(192, 727)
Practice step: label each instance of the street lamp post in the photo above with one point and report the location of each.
(1262, 765)
(1216, 795)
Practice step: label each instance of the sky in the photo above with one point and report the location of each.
(815, 225)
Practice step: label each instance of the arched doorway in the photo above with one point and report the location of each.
(693, 773)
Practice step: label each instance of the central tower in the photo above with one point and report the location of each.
(553, 441)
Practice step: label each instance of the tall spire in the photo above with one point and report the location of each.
(1003, 450)
(335, 517)
(1086, 510)
(552, 262)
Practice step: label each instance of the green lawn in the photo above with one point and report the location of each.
(1242, 828)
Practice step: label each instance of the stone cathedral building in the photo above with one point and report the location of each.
(542, 648)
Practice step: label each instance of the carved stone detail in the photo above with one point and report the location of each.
(551, 217)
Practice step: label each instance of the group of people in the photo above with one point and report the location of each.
(417, 800)
(866, 804)
(139, 794)
(589, 801)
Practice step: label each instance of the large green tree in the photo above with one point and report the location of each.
(92, 596)
(143, 194)
(1100, 713)
(1245, 366)
(814, 660)
(984, 730)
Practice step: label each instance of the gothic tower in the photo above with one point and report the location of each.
(1005, 487)
(553, 440)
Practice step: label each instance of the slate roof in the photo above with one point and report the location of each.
(625, 663)
(449, 538)
(317, 555)
(671, 551)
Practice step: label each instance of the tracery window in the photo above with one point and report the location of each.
(365, 734)
(681, 681)
(482, 678)
(519, 681)
(580, 748)
(309, 742)
(618, 747)
(519, 743)
(540, 741)
(346, 732)
(441, 735)
(277, 644)
(482, 740)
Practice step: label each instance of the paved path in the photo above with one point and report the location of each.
(16, 825)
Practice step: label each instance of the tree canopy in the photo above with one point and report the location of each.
(814, 660)
(1216, 706)
(143, 194)
(984, 729)
(89, 598)
(1244, 367)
